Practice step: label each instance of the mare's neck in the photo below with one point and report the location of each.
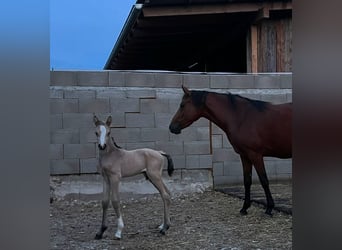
(219, 111)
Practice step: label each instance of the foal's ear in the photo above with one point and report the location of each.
(109, 121)
(186, 90)
(96, 120)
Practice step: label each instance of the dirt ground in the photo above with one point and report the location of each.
(206, 220)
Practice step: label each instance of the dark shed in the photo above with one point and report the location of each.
(203, 35)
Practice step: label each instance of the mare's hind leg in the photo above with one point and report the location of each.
(156, 180)
(114, 184)
(247, 181)
(260, 169)
(105, 204)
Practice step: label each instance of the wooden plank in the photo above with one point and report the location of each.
(254, 49)
(280, 47)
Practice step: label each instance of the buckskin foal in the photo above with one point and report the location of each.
(116, 163)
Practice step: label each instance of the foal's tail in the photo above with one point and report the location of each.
(170, 167)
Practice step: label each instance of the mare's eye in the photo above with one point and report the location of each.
(182, 105)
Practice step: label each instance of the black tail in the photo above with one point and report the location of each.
(170, 167)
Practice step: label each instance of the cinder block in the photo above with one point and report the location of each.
(196, 147)
(154, 134)
(65, 136)
(267, 81)
(241, 81)
(75, 151)
(87, 135)
(56, 121)
(174, 105)
(202, 122)
(63, 78)
(118, 119)
(108, 92)
(275, 98)
(154, 106)
(192, 162)
(219, 81)
(77, 120)
(163, 120)
(251, 96)
(139, 120)
(196, 81)
(205, 161)
(202, 133)
(56, 151)
(216, 141)
(187, 135)
(122, 135)
(178, 161)
(226, 142)
(217, 169)
(286, 81)
(58, 106)
(78, 93)
(225, 155)
(89, 166)
(117, 78)
(198, 175)
(232, 168)
(66, 166)
(93, 78)
(170, 147)
(289, 97)
(166, 80)
(284, 167)
(138, 145)
(56, 93)
(125, 105)
(88, 105)
(141, 93)
(227, 180)
(139, 80)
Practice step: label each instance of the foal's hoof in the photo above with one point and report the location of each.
(243, 211)
(269, 213)
(163, 230)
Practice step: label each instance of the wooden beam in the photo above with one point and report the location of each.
(254, 48)
(213, 9)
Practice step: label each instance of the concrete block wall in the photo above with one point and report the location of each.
(142, 105)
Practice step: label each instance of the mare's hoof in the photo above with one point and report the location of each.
(98, 236)
(243, 212)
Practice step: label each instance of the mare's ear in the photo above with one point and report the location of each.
(186, 90)
(109, 121)
(96, 120)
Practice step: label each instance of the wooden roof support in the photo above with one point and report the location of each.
(215, 9)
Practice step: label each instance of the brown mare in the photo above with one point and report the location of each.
(116, 163)
(254, 128)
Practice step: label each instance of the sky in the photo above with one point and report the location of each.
(83, 32)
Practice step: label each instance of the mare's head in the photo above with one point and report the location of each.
(102, 131)
(189, 111)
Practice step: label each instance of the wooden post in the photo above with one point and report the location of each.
(254, 49)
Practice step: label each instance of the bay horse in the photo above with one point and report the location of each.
(254, 128)
(116, 163)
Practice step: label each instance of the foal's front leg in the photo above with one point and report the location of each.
(115, 181)
(105, 204)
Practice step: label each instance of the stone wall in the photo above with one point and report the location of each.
(142, 105)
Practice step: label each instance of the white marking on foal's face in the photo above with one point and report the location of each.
(102, 135)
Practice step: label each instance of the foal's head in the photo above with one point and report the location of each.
(102, 131)
(190, 110)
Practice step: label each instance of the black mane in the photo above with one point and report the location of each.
(198, 98)
(258, 105)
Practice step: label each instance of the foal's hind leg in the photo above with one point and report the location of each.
(247, 180)
(156, 180)
(260, 169)
(105, 204)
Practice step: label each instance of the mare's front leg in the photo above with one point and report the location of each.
(105, 204)
(260, 169)
(247, 181)
(114, 184)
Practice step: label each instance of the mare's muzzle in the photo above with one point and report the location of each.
(175, 128)
(102, 147)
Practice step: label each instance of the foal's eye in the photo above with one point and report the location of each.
(97, 134)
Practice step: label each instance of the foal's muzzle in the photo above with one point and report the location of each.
(175, 128)
(102, 147)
